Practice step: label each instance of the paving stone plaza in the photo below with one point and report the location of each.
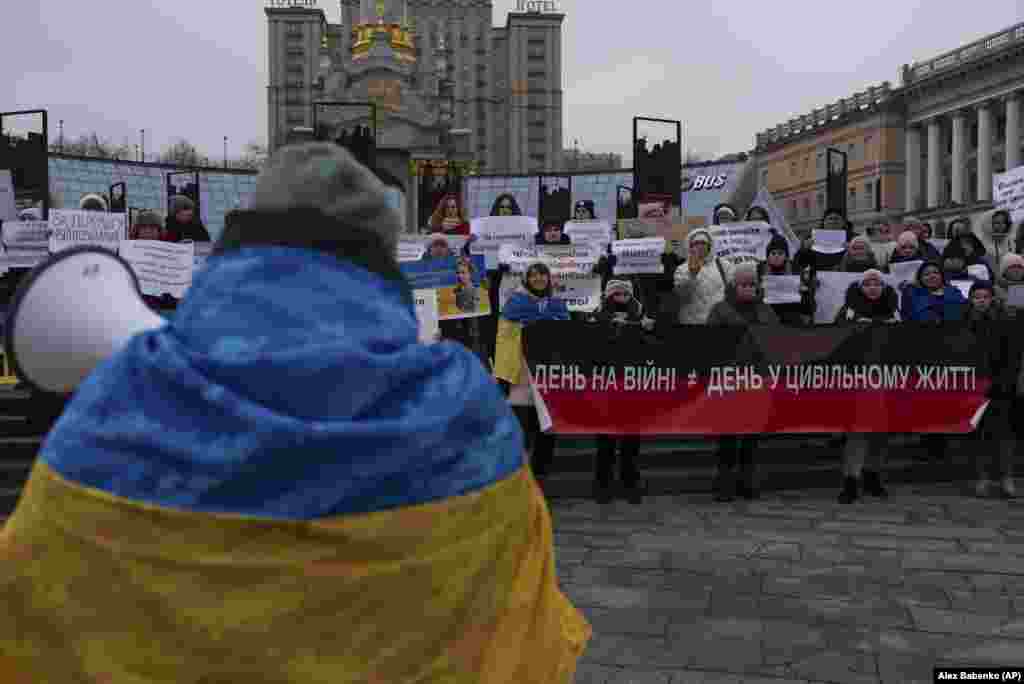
(795, 587)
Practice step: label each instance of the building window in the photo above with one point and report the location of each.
(296, 52)
(868, 194)
(531, 42)
(974, 137)
(807, 164)
(296, 119)
(821, 162)
(481, 84)
(851, 152)
(821, 203)
(792, 208)
(293, 100)
(792, 171)
(807, 206)
(867, 144)
(537, 157)
(294, 85)
(852, 202)
(764, 178)
(536, 74)
(295, 69)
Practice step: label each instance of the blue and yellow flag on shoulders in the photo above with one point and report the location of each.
(267, 491)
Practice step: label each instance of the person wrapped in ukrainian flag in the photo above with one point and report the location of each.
(282, 485)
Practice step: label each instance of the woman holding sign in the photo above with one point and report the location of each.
(700, 282)
(869, 301)
(742, 306)
(534, 302)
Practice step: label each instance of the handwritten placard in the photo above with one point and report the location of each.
(829, 241)
(781, 289)
(73, 228)
(161, 267)
(640, 256)
(494, 231)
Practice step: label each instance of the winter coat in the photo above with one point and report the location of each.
(729, 312)
(194, 231)
(698, 293)
(859, 309)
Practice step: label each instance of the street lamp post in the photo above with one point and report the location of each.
(61, 144)
(225, 151)
(142, 134)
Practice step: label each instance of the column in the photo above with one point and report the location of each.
(913, 166)
(1012, 131)
(984, 153)
(934, 161)
(959, 157)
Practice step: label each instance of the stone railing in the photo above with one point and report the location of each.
(826, 115)
(968, 53)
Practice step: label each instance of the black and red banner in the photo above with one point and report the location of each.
(695, 380)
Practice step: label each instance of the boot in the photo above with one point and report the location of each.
(849, 493)
(633, 486)
(746, 487)
(873, 484)
(603, 469)
(981, 487)
(1007, 488)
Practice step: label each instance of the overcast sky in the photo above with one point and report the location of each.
(730, 68)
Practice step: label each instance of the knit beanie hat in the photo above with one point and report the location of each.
(328, 179)
(700, 235)
(614, 286)
(777, 243)
(182, 203)
(148, 218)
(93, 202)
(862, 239)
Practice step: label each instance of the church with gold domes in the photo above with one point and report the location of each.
(448, 86)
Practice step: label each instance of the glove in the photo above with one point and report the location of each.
(503, 269)
(648, 324)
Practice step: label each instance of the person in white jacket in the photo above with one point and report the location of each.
(700, 281)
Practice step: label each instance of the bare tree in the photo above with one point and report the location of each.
(182, 153)
(693, 157)
(92, 145)
(254, 155)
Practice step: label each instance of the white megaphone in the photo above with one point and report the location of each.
(70, 313)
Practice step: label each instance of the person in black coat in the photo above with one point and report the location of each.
(504, 205)
(778, 263)
(182, 222)
(620, 314)
(833, 219)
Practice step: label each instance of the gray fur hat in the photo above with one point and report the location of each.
(327, 178)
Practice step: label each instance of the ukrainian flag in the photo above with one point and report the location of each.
(266, 490)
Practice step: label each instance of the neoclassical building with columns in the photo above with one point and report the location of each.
(963, 124)
(928, 147)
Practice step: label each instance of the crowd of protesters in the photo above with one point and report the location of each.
(699, 289)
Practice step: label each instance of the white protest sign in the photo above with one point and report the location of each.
(741, 241)
(27, 234)
(494, 231)
(781, 289)
(596, 231)
(27, 243)
(964, 286)
(73, 228)
(905, 271)
(643, 255)
(829, 241)
(571, 268)
(426, 315)
(1015, 296)
(161, 267)
(1008, 192)
(979, 271)
(8, 207)
(410, 250)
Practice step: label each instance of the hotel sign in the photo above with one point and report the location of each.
(536, 6)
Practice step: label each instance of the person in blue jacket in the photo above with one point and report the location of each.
(930, 298)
